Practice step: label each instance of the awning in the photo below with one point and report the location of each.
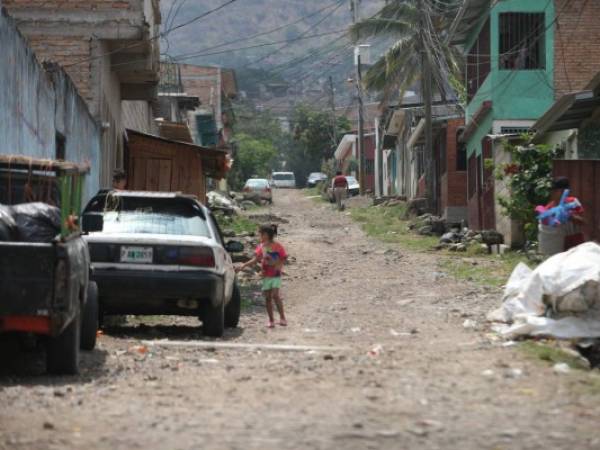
(418, 136)
(345, 147)
(394, 128)
(45, 165)
(567, 113)
(214, 161)
(476, 120)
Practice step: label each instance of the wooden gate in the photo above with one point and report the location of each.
(584, 176)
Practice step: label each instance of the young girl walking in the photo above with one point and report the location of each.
(271, 255)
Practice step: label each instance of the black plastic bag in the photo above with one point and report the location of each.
(8, 226)
(37, 222)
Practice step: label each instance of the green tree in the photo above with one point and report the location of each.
(255, 157)
(313, 140)
(420, 52)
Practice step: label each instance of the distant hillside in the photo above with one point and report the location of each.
(303, 61)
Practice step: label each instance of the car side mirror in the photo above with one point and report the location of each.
(91, 222)
(234, 247)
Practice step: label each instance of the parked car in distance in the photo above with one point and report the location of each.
(353, 186)
(158, 253)
(314, 178)
(283, 180)
(258, 187)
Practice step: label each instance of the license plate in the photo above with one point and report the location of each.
(141, 255)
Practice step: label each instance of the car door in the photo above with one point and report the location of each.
(224, 256)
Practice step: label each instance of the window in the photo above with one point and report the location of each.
(522, 40)
(61, 142)
(478, 61)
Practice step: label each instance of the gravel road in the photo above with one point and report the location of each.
(402, 372)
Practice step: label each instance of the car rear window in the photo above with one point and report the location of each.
(257, 183)
(147, 215)
(283, 176)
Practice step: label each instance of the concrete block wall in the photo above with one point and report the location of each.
(576, 44)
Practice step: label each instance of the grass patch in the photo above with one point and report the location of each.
(488, 270)
(237, 224)
(551, 354)
(388, 225)
(315, 193)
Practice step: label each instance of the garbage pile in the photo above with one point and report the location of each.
(29, 222)
(560, 298)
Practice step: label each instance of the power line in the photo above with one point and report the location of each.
(152, 38)
(264, 33)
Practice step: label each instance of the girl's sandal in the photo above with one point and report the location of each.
(283, 323)
(270, 324)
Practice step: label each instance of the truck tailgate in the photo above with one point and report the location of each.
(26, 278)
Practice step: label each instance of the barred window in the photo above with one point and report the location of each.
(522, 41)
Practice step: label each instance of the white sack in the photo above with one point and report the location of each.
(567, 284)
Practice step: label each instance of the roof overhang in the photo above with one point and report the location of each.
(567, 113)
(394, 127)
(476, 120)
(345, 147)
(469, 16)
(214, 161)
(418, 135)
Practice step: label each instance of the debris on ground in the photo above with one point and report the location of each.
(218, 201)
(560, 298)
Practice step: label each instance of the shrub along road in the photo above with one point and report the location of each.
(404, 373)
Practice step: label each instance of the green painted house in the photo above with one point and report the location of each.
(519, 58)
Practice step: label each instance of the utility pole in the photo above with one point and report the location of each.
(360, 143)
(333, 116)
(430, 170)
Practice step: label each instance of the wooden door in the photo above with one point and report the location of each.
(488, 200)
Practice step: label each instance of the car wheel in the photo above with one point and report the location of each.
(233, 308)
(214, 321)
(62, 351)
(89, 321)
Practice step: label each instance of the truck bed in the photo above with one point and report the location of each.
(26, 278)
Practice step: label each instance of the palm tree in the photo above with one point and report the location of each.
(420, 52)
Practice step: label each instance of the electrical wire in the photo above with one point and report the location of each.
(152, 38)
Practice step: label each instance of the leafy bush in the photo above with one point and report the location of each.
(529, 179)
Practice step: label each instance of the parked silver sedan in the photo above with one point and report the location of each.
(258, 187)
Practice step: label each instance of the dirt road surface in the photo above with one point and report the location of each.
(405, 372)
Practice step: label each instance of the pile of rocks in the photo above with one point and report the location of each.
(460, 240)
(428, 225)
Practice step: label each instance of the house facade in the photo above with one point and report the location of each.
(42, 114)
(111, 52)
(521, 55)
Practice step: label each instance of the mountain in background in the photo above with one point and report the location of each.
(300, 64)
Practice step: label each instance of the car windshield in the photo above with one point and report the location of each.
(283, 176)
(147, 215)
(351, 180)
(257, 183)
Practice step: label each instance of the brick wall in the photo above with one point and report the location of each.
(576, 44)
(70, 5)
(66, 50)
(201, 82)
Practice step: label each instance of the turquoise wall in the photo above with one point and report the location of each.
(515, 94)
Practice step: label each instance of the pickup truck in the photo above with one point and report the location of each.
(44, 279)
